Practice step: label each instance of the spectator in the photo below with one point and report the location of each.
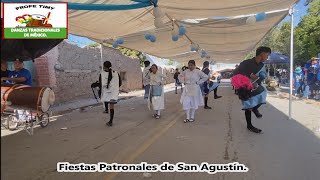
(318, 83)
(4, 70)
(311, 70)
(176, 78)
(278, 75)
(283, 78)
(298, 77)
(146, 79)
(20, 75)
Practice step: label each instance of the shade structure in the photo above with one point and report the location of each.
(119, 23)
(277, 58)
(190, 9)
(225, 40)
(162, 47)
(229, 40)
(185, 57)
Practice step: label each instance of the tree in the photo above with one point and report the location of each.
(94, 45)
(306, 36)
(307, 2)
(307, 33)
(170, 63)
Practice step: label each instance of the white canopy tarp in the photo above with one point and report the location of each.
(185, 57)
(231, 40)
(223, 40)
(193, 9)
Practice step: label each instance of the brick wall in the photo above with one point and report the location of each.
(42, 71)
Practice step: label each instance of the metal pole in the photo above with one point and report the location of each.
(101, 59)
(101, 62)
(291, 64)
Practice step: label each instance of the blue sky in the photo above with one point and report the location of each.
(300, 10)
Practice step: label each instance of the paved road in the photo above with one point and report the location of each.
(288, 149)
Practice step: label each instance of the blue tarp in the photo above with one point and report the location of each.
(276, 58)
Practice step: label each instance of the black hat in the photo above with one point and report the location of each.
(18, 59)
(192, 62)
(206, 63)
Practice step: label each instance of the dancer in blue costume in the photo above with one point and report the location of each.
(252, 100)
(209, 86)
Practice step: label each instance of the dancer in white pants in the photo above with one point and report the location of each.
(191, 97)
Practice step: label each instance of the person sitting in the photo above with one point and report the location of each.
(20, 75)
(4, 70)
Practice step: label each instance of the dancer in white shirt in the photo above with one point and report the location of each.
(110, 84)
(191, 97)
(156, 93)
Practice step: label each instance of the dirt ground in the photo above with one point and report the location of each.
(288, 149)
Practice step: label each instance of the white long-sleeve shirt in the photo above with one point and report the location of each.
(157, 79)
(193, 77)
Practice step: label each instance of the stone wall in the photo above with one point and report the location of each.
(70, 70)
(169, 72)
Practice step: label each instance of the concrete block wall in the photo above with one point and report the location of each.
(70, 70)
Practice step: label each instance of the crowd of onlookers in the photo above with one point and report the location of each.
(307, 79)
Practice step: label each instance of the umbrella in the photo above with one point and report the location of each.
(276, 58)
(26, 49)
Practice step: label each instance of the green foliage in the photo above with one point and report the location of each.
(307, 2)
(170, 63)
(180, 65)
(306, 36)
(94, 45)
